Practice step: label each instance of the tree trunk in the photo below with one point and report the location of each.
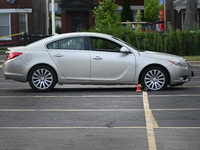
(190, 16)
(126, 14)
(169, 14)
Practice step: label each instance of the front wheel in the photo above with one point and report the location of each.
(42, 78)
(154, 78)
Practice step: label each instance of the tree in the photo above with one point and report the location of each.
(126, 13)
(169, 14)
(138, 17)
(105, 14)
(151, 10)
(190, 16)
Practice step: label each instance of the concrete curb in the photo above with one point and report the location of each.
(194, 63)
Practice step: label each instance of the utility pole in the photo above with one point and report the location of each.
(169, 13)
(53, 16)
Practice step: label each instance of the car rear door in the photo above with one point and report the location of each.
(71, 58)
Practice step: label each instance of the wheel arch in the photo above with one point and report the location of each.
(153, 65)
(43, 64)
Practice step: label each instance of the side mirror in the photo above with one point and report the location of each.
(124, 50)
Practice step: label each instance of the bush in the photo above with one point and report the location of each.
(177, 42)
(105, 15)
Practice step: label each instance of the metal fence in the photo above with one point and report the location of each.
(27, 39)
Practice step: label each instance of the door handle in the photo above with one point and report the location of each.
(58, 55)
(97, 58)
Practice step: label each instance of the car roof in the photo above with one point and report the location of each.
(66, 35)
(80, 34)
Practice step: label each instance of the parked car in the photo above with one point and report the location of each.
(146, 26)
(92, 58)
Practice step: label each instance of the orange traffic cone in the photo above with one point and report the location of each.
(138, 88)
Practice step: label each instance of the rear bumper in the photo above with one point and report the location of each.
(15, 69)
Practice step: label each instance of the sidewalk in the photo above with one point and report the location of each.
(194, 63)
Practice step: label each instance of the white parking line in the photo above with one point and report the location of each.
(179, 95)
(103, 96)
(95, 110)
(150, 122)
(175, 109)
(178, 128)
(66, 110)
(54, 128)
(64, 96)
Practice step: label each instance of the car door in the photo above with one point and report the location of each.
(108, 64)
(71, 58)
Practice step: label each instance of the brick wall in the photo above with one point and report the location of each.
(89, 20)
(18, 4)
(37, 17)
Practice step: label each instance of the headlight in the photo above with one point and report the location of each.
(178, 63)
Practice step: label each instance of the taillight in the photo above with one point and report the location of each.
(12, 55)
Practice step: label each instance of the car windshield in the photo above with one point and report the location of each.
(128, 44)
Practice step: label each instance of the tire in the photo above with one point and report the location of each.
(42, 78)
(154, 78)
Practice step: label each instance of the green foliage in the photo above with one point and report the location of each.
(105, 15)
(58, 29)
(58, 14)
(177, 42)
(138, 19)
(50, 24)
(126, 14)
(151, 10)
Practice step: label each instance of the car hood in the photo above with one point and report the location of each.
(160, 55)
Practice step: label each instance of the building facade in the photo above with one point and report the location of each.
(18, 16)
(180, 10)
(78, 14)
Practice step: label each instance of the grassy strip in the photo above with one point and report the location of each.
(192, 58)
(2, 52)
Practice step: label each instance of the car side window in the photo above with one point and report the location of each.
(74, 43)
(100, 44)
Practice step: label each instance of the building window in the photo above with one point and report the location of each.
(23, 23)
(5, 26)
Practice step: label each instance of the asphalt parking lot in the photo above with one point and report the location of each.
(77, 117)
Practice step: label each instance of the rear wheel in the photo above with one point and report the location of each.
(42, 78)
(154, 78)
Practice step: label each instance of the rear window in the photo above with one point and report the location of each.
(73, 43)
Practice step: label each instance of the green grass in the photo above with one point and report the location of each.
(2, 51)
(192, 58)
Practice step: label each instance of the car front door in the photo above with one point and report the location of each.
(71, 58)
(108, 64)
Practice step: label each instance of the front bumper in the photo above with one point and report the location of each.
(180, 75)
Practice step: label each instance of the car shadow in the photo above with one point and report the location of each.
(96, 90)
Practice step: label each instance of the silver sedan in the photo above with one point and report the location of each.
(92, 58)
